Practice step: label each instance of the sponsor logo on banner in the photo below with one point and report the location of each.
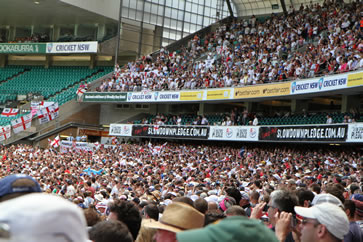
(355, 79)
(104, 97)
(355, 133)
(233, 133)
(168, 96)
(304, 133)
(140, 97)
(72, 47)
(191, 96)
(316, 85)
(196, 132)
(120, 130)
(218, 94)
(262, 91)
(22, 48)
(65, 146)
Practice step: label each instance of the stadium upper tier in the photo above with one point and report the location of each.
(311, 42)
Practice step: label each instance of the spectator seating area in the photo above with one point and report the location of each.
(57, 84)
(45, 82)
(315, 40)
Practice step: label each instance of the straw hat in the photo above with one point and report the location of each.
(178, 217)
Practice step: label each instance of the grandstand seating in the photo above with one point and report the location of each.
(58, 84)
(46, 82)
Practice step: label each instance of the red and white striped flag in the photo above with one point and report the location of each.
(5, 132)
(9, 112)
(22, 123)
(55, 142)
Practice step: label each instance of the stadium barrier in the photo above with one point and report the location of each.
(301, 87)
(340, 133)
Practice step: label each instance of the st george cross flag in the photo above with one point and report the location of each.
(55, 142)
(48, 114)
(80, 91)
(5, 132)
(22, 123)
(9, 112)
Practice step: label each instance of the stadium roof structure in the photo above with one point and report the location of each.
(39, 12)
(262, 7)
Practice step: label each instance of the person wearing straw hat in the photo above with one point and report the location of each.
(177, 217)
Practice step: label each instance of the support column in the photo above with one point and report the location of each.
(297, 106)
(201, 109)
(141, 31)
(101, 31)
(349, 102)
(3, 60)
(75, 33)
(93, 61)
(12, 33)
(48, 61)
(56, 33)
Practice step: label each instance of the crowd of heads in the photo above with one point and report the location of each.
(313, 41)
(144, 191)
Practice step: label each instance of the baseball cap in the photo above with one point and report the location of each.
(327, 198)
(232, 229)
(328, 214)
(18, 183)
(40, 217)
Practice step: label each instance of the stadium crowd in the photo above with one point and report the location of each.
(155, 192)
(243, 117)
(313, 41)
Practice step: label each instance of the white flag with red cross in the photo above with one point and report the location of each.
(55, 143)
(80, 91)
(9, 112)
(5, 132)
(48, 113)
(22, 123)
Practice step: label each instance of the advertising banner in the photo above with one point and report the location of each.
(219, 94)
(166, 96)
(72, 47)
(22, 48)
(192, 96)
(234, 133)
(304, 133)
(322, 84)
(66, 146)
(262, 91)
(355, 133)
(105, 97)
(120, 130)
(196, 132)
(355, 79)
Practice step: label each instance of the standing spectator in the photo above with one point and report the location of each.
(128, 213)
(355, 233)
(255, 121)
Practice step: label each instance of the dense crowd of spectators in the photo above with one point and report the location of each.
(166, 189)
(315, 40)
